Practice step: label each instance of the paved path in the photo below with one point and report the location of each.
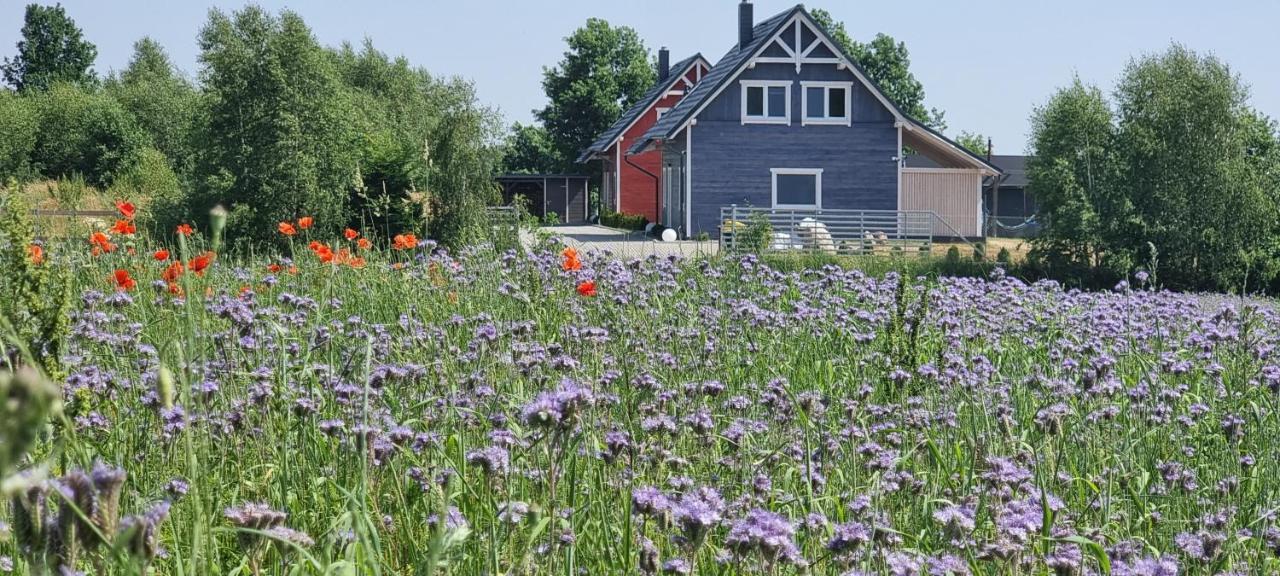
(593, 238)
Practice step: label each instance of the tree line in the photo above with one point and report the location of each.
(1174, 178)
(274, 126)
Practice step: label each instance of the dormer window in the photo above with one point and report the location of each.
(826, 102)
(766, 102)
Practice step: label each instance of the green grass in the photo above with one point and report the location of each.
(836, 387)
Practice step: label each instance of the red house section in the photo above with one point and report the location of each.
(636, 177)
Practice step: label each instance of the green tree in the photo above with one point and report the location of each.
(973, 142)
(428, 148)
(1199, 168)
(52, 49)
(85, 132)
(160, 101)
(278, 135)
(19, 123)
(528, 150)
(887, 63)
(1070, 173)
(605, 70)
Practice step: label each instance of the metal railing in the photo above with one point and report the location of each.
(828, 231)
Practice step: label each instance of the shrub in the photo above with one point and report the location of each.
(953, 256)
(19, 123)
(624, 221)
(979, 252)
(151, 178)
(85, 132)
(1003, 256)
(756, 235)
(550, 219)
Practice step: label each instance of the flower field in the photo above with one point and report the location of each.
(352, 410)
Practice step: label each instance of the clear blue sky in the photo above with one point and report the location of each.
(987, 63)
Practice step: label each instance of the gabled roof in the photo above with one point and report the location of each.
(738, 57)
(608, 137)
(720, 74)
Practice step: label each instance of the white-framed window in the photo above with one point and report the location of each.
(766, 102)
(662, 112)
(826, 103)
(797, 187)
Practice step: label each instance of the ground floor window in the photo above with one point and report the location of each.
(797, 187)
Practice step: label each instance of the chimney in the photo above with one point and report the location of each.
(664, 63)
(746, 22)
(988, 149)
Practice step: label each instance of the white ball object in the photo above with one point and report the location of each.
(668, 235)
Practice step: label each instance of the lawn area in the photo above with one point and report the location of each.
(476, 412)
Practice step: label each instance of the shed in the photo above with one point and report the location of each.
(564, 195)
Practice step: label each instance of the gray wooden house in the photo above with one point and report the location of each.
(787, 120)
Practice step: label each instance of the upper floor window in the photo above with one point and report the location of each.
(766, 102)
(826, 102)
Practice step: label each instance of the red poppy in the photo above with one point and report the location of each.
(587, 288)
(199, 263)
(35, 253)
(101, 243)
(273, 268)
(161, 255)
(126, 209)
(172, 272)
(123, 227)
(286, 228)
(123, 281)
(305, 222)
(364, 244)
(185, 229)
(404, 242)
(175, 289)
(350, 234)
(571, 262)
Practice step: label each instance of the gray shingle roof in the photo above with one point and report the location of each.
(727, 68)
(721, 73)
(609, 136)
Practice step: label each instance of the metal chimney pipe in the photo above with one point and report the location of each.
(664, 63)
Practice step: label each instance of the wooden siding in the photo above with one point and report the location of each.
(955, 195)
(641, 173)
(731, 162)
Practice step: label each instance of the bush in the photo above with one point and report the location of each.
(151, 178)
(19, 125)
(1004, 257)
(979, 252)
(756, 235)
(624, 221)
(85, 132)
(953, 256)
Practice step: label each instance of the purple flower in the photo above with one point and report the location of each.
(767, 533)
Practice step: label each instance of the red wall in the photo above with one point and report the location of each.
(640, 192)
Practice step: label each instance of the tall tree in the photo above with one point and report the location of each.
(1070, 174)
(888, 64)
(1199, 170)
(605, 70)
(973, 142)
(52, 49)
(278, 131)
(162, 102)
(528, 150)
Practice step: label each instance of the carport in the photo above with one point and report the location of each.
(565, 195)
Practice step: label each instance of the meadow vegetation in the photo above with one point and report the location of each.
(340, 408)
